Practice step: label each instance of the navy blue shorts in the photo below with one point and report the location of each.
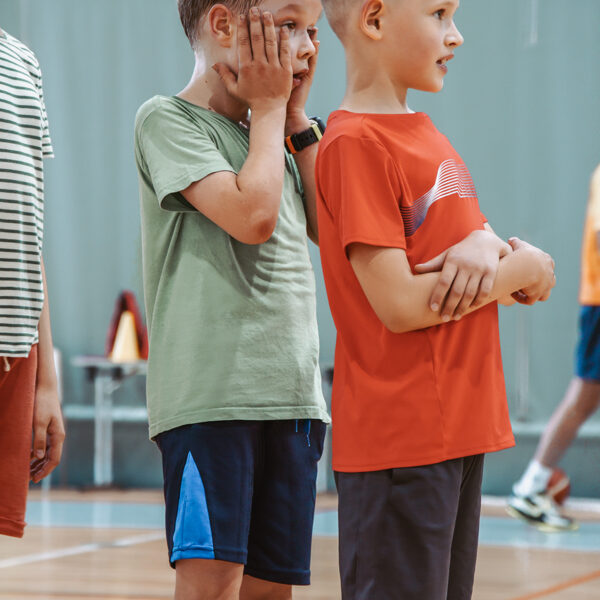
(243, 492)
(587, 355)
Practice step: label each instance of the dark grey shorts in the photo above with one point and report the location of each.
(410, 533)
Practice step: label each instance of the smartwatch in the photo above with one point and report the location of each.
(303, 139)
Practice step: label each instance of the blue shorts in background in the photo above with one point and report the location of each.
(587, 355)
(243, 492)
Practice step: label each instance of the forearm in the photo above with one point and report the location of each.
(411, 310)
(46, 373)
(260, 180)
(305, 161)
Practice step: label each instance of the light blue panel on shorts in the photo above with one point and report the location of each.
(193, 536)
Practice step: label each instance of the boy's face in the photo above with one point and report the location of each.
(300, 17)
(419, 39)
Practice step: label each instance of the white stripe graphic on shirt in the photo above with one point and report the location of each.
(452, 178)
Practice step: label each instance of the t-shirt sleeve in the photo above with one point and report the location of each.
(176, 153)
(47, 150)
(360, 187)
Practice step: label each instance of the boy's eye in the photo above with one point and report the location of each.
(439, 14)
(312, 33)
(290, 25)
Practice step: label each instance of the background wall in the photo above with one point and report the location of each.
(520, 105)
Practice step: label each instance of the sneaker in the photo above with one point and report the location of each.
(540, 511)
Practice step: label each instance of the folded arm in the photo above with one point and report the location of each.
(401, 299)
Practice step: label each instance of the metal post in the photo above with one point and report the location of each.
(102, 429)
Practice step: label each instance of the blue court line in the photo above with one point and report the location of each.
(494, 531)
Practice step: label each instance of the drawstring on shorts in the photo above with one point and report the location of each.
(306, 429)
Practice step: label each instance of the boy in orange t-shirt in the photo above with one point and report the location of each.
(418, 392)
(530, 499)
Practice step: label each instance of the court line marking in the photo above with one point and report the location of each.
(559, 587)
(81, 549)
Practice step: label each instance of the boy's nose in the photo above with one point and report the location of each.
(306, 48)
(455, 38)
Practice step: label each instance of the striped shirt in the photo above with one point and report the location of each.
(24, 141)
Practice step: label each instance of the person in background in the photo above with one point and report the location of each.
(28, 386)
(530, 500)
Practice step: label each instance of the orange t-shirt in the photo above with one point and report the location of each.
(424, 396)
(589, 293)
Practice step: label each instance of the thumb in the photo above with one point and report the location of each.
(227, 76)
(39, 441)
(515, 243)
(505, 249)
(435, 264)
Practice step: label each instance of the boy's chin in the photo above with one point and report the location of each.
(431, 87)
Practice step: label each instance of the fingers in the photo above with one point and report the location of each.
(515, 243)
(227, 76)
(312, 61)
(435, 264)
(257, 37)
(505, 249)
(244, 47)
(38, 449)
(271, 49)
(471, 292)
(485, 289)
(457, 291)
(443, 285)
(39, 468)
(285, 53)
(520, 297)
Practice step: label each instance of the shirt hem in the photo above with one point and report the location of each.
(8, 352)
(240, 414)
(428, 460)
(382, 243)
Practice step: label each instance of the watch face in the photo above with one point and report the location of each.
(319, 122)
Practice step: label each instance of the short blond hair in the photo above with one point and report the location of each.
(337, 14)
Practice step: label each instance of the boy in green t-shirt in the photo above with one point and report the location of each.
(234, 389)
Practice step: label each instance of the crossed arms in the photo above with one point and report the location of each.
(479, 270)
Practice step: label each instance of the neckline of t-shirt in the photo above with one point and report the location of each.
(384, 115)
(213, 113)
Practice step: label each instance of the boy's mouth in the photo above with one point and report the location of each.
(442, 62)
(299, 78)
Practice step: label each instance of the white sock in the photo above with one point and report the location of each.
(534, 480)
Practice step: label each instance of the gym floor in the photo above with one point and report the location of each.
(110, 545)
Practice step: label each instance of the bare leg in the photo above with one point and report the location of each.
(581, 400)
(200, 579)
(258, 589)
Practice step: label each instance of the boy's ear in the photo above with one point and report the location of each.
(371, 16)
(220, 23)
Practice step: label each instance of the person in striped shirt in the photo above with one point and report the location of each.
(28, 385)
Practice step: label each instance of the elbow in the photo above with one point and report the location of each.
(394, 320)
(397, 325)
(261, 228)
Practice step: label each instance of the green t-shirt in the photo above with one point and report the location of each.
(233, 328)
